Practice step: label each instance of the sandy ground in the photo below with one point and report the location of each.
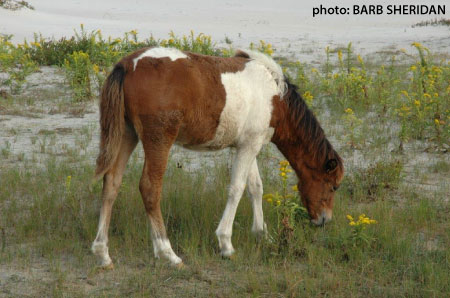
(288, 24)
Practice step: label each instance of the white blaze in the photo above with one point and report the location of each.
(171, 53)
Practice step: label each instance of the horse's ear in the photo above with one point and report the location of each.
(331, 165)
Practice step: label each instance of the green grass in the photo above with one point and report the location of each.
(44, 219)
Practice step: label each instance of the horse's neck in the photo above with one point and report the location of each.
(286, 138)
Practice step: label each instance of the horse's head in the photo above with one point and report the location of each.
(301, 139)
(317, 187)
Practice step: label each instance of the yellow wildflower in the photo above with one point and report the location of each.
(362, 220)
(308, 96)
(268, 196)
(436, 121)
(295, 188)
(340, 55)
(417, 103)
(405, 93)
(278, 202)
(68, 181)
(360, 60)
(413, 68)
(95, 68)
(349, 111)
(426, 95)
(284, 163)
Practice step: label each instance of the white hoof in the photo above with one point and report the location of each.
(101, 250)
(226, 248)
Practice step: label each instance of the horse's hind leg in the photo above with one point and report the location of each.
(255, 190)
(158, 137)
(111, 184)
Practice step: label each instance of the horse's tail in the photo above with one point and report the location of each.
(112, 120)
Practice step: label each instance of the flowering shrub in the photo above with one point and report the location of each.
(423, 107)
(287, 206)
(263, 47)
(16, 63)
(353, 133)
(358, 235)
(78, 69)
(199, 44)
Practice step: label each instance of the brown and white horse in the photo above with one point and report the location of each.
(163, 96)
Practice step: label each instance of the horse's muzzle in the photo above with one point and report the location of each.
(324, 217)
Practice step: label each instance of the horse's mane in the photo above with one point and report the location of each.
(308, 132)
(270, 64)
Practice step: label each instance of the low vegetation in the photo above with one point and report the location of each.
(389, 236)
(433, 22)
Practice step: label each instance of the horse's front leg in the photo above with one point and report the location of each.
(245, 156)
(255, 191)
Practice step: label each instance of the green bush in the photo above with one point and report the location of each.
(16, 63)
(78, 69)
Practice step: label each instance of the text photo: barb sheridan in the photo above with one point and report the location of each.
(378, 9)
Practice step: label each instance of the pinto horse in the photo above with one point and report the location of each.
(163, 96)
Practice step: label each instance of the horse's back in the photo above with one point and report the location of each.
(215, 102)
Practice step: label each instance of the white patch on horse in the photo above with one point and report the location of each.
(245, 123)
(171, 53)
(273, 67)
(248, 106)
(163, 249)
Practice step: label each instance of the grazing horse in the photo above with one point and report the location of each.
(164, 96)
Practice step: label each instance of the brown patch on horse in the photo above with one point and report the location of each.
(191, 88)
